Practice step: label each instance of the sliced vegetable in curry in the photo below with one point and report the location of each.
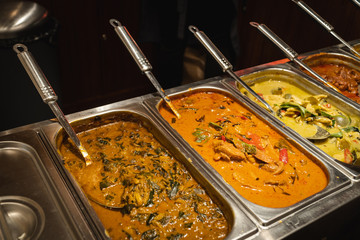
(157, 196)
(251, 156)
(303, 112)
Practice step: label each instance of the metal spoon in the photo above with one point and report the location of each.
(289, 52)
(325, 24)
(357, 2)
(321, 134)
(47, 94)
(224, 63)
(141, 60)
(101, 203)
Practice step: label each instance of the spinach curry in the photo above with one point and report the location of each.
(158, 197)
(251, 156)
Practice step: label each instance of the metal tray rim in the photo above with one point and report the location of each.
(256, 210)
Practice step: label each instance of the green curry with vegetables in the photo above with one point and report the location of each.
(303, 112)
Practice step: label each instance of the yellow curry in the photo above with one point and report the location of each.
(304, 112)
(251, 156)
(157, 196)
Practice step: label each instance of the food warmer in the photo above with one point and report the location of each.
(36, 186)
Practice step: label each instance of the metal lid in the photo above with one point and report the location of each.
(19, 17)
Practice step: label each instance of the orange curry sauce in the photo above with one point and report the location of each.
(252, 157)
(157, 196)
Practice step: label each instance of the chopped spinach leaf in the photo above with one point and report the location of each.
(150, 234)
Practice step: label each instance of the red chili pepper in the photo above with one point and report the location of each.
(283, 156)
(328, 105)
(245, 140)
(254, 140)
(243, 117)
(347, 156)
(223, 138)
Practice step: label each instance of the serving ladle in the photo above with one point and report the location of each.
(141, 60)
(321, 134)
(357, 2)
(113, 205)
(224, 63)
(289, 52)
(48, 95)
(325, 24)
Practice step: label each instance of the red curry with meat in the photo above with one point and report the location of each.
(345, 78)
(250, 155)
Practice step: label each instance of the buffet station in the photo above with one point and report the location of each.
(268, 152)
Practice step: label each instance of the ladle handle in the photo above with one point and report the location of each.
(137, 54)
(213, 50)
(325, 24)
(288, 51)
(34, 71)
(140, 60)
(314, 15)
(357, 2)
(131, 46)
(47, 94)
(224, 63)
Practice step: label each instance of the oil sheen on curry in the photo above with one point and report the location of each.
(304, 113)
(250, 155)
(345, 78)
(159, 198)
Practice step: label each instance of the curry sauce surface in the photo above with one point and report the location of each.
(157, 196)
(304, 112)
(252, 157)
(345, 78)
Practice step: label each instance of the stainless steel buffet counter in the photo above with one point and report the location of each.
(36, 185)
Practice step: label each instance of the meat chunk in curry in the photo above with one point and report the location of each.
(249, 154)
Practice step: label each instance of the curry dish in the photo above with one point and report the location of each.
(157, 196)
(345, 78)
(251, 156)
(357, 47)
(304, 113)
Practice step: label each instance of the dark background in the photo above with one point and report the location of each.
(88, 65)
(93, 68)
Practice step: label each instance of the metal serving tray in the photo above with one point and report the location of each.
(357, 47)
(263, 216)
(355, 44)
(240, 225)
(287, 73)
(33, 208)
(334, 56)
